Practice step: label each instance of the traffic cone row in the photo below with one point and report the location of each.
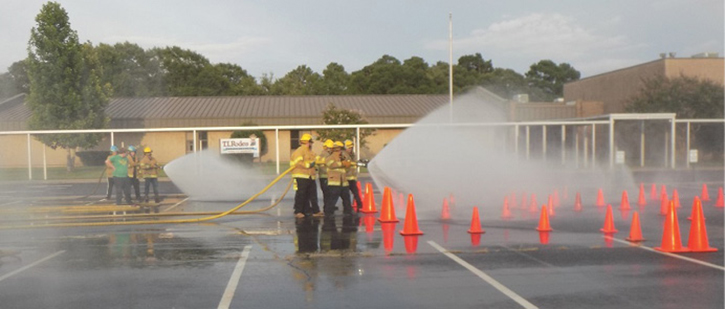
(671, 240)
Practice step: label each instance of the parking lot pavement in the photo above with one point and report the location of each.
(272, 260)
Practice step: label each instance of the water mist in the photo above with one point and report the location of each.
(208, 176)
(464, 153)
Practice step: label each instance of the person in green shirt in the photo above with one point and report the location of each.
(119, 169)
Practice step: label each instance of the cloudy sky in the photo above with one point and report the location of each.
(273, 36)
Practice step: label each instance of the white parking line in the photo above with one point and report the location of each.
(234, 280)
(503, 289)
(670, 254)
(19, 270)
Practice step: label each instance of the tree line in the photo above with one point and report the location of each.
(132, 71)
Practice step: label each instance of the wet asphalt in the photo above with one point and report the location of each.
(271, 260)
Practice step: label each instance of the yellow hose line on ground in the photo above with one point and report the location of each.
(195, 220)
(166, 214)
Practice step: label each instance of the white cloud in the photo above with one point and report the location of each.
(543, 35)
(537, 36)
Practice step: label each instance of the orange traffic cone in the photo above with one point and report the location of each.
(388, 236)
(676, 198)
(698, 232)
(719, 202)
(663, 190)
(664, 203)
(704, 196)
(411, 221)
(411, 244)
(445, 212)
(506, 214)
(452, 200)
(695, 201)
(609, 222)
(369, 202)
(544, 238)
(476, 223)
(544, 220)
(387, 214)
(625, 201)
(671, 241)
(578, 202)
(550, 205)
(475, 240)
(641, 201)
(600, 198)
(635, 232)
(653, 192)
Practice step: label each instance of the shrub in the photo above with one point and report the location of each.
(93, 157)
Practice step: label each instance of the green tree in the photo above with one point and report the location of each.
(414, 77)
(300, 81)
(380, 77)
(688, 97)
(182, 70)
(333, 115)
(505, 83)
(438, 75)
(131, 70)
(471, 71)
(335, 81)
(550, 78)
(240, 82)
(245, 157)
(65, 88)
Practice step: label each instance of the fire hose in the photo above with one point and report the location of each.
(147, 222)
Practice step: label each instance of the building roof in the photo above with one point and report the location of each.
(159, 112)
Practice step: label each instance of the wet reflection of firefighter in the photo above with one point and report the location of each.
(333, 240)
(307, 235)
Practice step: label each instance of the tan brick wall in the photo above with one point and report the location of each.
(14, 153)
(614, 88)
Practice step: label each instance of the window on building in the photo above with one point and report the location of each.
(202, 141)
(294, 139)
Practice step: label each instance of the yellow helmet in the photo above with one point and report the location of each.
(338, 144)
(147, 150)
(348, 143)
(306, 137)
(329, 143)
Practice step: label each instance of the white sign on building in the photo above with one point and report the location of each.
(240, 145)
(693, 156)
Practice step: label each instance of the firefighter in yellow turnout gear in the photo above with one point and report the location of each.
(303, 161)
(149, 169)
(352, 173)
(320, 163)
(337, 181)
